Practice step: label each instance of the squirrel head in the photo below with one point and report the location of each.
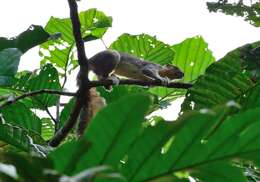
(171, 71)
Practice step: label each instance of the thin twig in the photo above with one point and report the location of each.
(34, 93)
(52, 118)
(103, 42)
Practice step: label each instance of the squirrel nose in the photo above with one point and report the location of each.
(181, 74)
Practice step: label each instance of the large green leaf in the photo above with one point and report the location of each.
(48, 78)
(109, 135)
(66, 157)
(222, 82)
(33, 36)
(25, 82)
(161, 152)
(192, 56)
(22, 139)
(251, 98)
(215, 172)
(19, 114)
(28, 168)
(249, 56)
(119, 91)
(9, 61)
(94, 24)
(145, 47)
(148, 48)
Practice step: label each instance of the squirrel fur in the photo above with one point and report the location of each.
(109, 62)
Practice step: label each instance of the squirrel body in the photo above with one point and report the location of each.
(108, 62)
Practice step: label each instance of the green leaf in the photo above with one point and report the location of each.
(191, 148)
(108, 136)
(33, 36)
(60, 52)
(251, 98)
(145, 47)
(94, 24)
(215, 172)
(222, 82)
(119, 91)
(22, 139)
(148, 48)
(9, 61)
(192, 56)
(48, 78)
(150, 142)
(31, 168)
(65, 113)
(21, 80)
(249, 11)
(99, 173)
(47, 130)
(249, 56)
(19, 114)
(111, 134)
(66, 156)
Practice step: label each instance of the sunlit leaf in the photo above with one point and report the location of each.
(60, 52)
(192, 56)
(145, 47)
(47, 130)
(222, 82)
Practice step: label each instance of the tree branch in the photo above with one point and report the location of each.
(141, 83)
(34, 93)
(82, 97)
(96, 84)
(52, 118)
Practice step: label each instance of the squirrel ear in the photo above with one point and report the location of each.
(168, 65)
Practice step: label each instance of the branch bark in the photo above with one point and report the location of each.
(141, 83)
(82, 97)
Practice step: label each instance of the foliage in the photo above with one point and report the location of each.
(249, 11)
(215, 138)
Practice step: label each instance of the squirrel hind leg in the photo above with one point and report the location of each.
(154, 75)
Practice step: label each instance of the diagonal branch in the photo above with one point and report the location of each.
(82, 97)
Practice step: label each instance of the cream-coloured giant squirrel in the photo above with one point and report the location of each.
(106, 63)
(110, 62)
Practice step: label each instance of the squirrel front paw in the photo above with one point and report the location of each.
(115, 80)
